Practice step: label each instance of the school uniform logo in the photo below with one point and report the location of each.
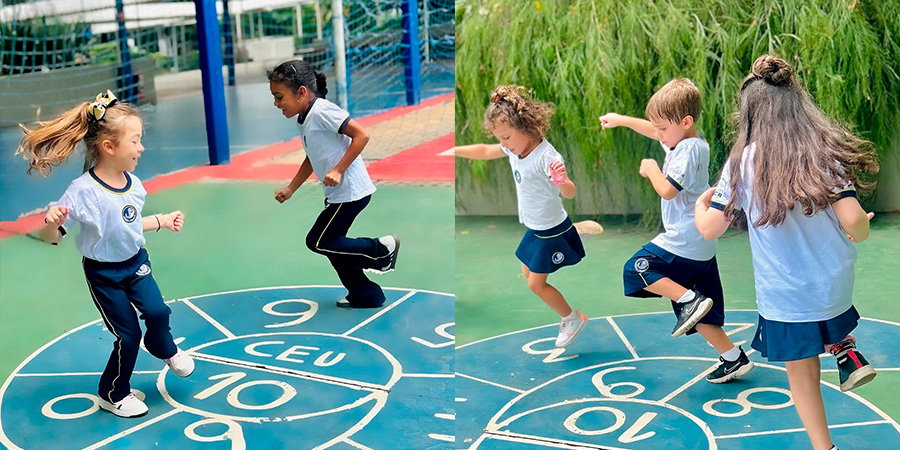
(558, 258)
(143, 270)
(129, 213)
(641, 265)
(517, 176)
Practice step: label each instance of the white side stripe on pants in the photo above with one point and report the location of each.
(319, 240)
(113, 330)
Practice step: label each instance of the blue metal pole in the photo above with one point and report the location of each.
(126, 86)
(229, 47)
(411, 59)
(213, 84)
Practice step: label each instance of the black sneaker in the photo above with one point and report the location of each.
(729, 370)
(392, 243)
(344, 303)
(854, 370)
(691, 313)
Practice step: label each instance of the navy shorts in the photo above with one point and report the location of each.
(651, 263)
(546, 251)
(793, 341)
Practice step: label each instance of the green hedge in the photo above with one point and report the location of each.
(592, 57)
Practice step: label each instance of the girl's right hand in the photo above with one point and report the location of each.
(56, 215)
(705, 199)
(610, 120)
(283, 194)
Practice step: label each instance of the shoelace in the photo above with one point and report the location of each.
(841, 346)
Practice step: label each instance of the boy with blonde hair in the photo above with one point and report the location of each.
(679, 264)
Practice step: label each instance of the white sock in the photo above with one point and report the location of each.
(688, 296)
(834, 447)
(732, 355)
(572, 316)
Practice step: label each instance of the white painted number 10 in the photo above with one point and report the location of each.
(288, 391)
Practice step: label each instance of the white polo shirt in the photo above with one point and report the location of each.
(687, 168)
(540, 206)
(803, 268)
(320, 127)
(111, 229)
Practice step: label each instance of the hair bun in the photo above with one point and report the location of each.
(773, 69)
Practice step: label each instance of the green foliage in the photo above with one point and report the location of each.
(591, 57)
(44, 42)
(105, 53)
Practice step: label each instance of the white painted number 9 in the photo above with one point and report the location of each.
(442, 332)
(553, 354)
(233, 433)
(606, 389)
(302, 316)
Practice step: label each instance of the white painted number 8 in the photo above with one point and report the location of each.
(47, 409)
(233, 434)
(746, 405)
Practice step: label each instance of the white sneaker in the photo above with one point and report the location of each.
(392, 243)
(128, 407)
(181, 364)
(570, 329)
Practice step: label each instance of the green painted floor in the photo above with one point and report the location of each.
(236, 236)
(492, 297)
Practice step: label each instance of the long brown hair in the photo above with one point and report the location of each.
(515, 106)
(801, 155)
(51, 143)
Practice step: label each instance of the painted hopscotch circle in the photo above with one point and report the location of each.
(624, 384)
(278, 367)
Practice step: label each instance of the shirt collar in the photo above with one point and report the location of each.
(110, 188)
(302, 117)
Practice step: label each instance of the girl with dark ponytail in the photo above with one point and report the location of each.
(333, 142)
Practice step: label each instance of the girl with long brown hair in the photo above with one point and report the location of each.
(793, 172)
(106, 202)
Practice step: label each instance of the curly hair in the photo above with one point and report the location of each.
(514, 105)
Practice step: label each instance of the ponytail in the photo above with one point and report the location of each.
(321, 89)
(51, 143)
